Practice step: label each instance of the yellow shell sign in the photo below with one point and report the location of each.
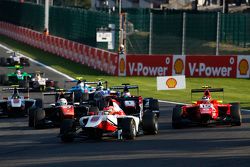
(171, 83)
(178, 66)
(122, 65)
(243, 67)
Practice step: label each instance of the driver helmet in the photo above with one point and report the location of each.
(127, 94)
(18, 72)
(205, 98)
(62, 102)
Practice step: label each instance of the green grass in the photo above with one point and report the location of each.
(236, 90)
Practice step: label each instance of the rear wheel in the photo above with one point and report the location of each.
(31, 118)
(39, 103)
(235, 114)
(150, 123)
(176, 117)
(128, 128)
(67, 130)
(39, 115)
(3, 61)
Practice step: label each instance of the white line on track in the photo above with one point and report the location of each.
(41, 64)
(68, 77)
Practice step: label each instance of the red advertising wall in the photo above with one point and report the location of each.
(211, 66)
(148, 65)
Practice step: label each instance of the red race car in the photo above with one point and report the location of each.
(206, 111)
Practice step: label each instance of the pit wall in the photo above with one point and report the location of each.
(229, 66)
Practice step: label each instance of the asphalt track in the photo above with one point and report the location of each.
(21, 146)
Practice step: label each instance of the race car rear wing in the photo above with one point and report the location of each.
(209, 89)
(126, 86)
(87, 83)
(206, 89)
(60, 94)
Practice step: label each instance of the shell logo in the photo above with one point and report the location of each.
(171, 82)
(243, 67)
(122, 65)
(178, 66)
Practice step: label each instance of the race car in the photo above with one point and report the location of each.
(52, 115)
(16, 78)
(84, 90)
(206, 111)
(39, 83)
(14, 59)
(112, 121)
(135, 104)
(16, 105)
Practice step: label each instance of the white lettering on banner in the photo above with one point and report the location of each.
(140, 69)
(209, 71)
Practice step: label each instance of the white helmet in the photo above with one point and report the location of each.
(205, 99)
(18, 72)
(62, 102)
(127, 94)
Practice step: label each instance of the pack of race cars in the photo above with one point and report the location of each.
(93, 110)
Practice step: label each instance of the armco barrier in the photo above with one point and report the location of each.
(98, 59)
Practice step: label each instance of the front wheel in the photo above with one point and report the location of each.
(67, 130)
(176, 117)
(150, 123)
(128, 128)
(235, 114)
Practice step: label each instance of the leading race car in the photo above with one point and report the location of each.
(52, 115)
(14, 59)
(206, 111)
(16, 105)
(111, 121)
(16, 78)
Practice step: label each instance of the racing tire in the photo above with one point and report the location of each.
(153, 104)
(3, 79)
(3, 61)
(150, 123)
(23, 84)
(67, 130)
(39, 103)
(235, 113)
(31, 118)
(128, 128)
(176, 117)
(39, 115)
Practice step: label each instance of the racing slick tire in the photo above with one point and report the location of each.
(176, 117)
(150, 123)
(128, 128)
(39, 115)
(235, 113)
(31, 118)
(3, 79)
(2, 61)
(153, 104)
(67, 130)
(39, 103)
(23, 84)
